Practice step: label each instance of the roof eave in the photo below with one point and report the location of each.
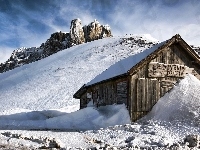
(80, 92)
(84, 88)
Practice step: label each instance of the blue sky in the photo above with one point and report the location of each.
(27, 23)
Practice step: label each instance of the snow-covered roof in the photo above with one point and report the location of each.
(123, 66)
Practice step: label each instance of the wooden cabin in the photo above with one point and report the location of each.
(140, 80)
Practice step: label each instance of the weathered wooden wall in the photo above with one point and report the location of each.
(156, 77)
(83, 101)
(107, 93)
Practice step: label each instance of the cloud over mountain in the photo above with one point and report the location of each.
(27, 23)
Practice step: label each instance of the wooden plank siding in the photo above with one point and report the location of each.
(108, 93)
(145, 96)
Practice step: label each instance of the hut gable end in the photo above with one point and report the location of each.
(173, 51)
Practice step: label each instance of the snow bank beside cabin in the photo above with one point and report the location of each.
(91, 118)
(84, 119)
(180, 105)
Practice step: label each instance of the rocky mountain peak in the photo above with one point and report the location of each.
(95, 31)
(76, 32)
(58, 41)
(88, 33)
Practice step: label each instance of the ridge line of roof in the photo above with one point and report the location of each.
(165, 44)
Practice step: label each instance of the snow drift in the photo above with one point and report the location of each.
(84, 119)
(180, 105)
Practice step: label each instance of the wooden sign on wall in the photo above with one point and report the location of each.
(157, 69)
(166, 70)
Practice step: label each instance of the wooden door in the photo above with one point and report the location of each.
(147, 94)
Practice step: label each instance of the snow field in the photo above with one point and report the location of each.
(156, 130)
(39, 96)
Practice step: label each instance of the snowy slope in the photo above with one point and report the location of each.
(51, 82)
(39, 96)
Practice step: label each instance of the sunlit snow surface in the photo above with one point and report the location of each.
(39, 96)
(180, 105)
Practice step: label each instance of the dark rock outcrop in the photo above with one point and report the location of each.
(58, 41)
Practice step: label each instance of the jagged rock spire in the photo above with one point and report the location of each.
(76, 32)
(58, 41)
(91, 32)
(96, 31)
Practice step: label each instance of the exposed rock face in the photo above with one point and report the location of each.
(21, 56)
(76, 32)
(88, 33)
(193, 140)
(57, 42)
(96, 31)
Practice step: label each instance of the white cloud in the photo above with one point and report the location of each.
(190, 32)
(159, 19)
(72, 12)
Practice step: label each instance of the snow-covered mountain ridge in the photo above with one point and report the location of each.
(58, 41)
(51, 82)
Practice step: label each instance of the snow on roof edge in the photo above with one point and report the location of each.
(123, 66)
